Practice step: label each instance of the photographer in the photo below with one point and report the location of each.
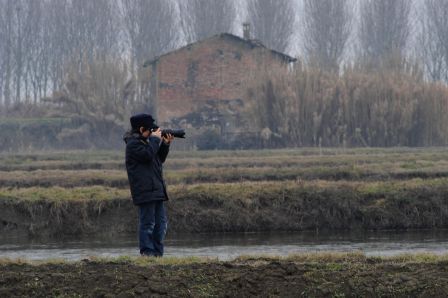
(146, 151)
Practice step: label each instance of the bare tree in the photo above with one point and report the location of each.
(434, 38)
(37, 61)
(327, 26)
(272, 22)
(3, 46)
(150, 28)
(96, 95)
(91, 33)
(384, 28)
(8, 30)
(32, 48)
(57, 35)
(42, 36)
(203, 18)
(26, 14)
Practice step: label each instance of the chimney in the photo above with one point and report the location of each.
(246, 31)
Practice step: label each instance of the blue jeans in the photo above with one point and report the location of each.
(153, 224)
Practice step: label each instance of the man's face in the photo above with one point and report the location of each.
(145, 132)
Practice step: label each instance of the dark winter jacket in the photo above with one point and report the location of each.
(144, 158)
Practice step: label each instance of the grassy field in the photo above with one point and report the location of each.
(71, 169)
(294, 189)
(315, 275)
(60, 194)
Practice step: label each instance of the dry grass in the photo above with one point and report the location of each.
(236, 190)
(318, 257)
(236, 207)
(55, 194)
(250, 190)
(63, 178)
(107, 168)
(349, 257)
(311, 107)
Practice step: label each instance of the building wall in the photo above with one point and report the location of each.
(218, 68)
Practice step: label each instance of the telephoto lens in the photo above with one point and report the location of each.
(177, 133)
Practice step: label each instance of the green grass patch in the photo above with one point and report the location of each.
(230, 191)
(332, 260)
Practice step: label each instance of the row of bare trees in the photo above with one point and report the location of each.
(311, 107)
(39, 39)
(433, 38)
(383, 31)
(42, 40)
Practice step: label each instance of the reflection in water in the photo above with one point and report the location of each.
(229, 246)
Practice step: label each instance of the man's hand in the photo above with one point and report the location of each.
(157, 133)
(168, 139)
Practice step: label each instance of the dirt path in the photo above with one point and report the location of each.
(355, 276)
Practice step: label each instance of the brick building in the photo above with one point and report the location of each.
(211, 72)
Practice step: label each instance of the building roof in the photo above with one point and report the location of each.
(251, 42)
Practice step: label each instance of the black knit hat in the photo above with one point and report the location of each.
(143, 120)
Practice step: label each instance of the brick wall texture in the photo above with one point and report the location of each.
(217, 68)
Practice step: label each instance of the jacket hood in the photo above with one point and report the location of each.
(131, 135)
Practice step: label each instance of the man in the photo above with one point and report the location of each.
(146, 151)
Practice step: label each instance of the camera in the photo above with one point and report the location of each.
(177, 133)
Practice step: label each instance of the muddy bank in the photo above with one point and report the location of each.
(318, 276)
(239, 207)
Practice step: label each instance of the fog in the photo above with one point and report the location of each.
(72, 69)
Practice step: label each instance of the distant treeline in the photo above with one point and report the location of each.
(70, 76)
(392, 106)
(40, 39)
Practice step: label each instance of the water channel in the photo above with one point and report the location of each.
(230, 246)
